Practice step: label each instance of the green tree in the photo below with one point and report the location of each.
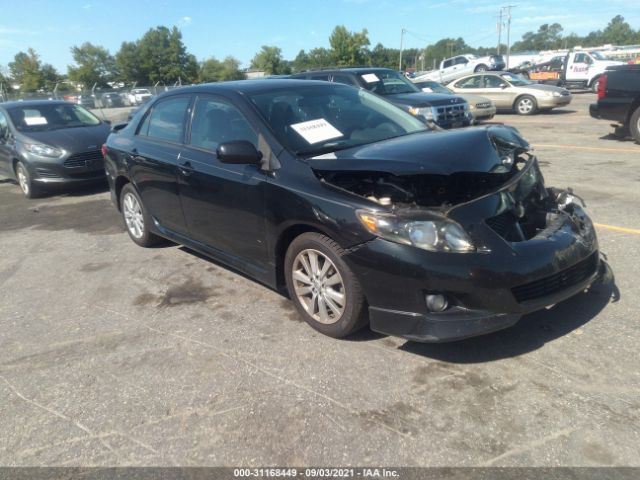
(50, 77)
(349, 48)
(25, 71)
(93, 65)
(618, 32)
(320, 58)
(128, 64)
(301, 62)
(547, 37)
(164, 58)
(269, 59)
(159, 56)
(213, 70)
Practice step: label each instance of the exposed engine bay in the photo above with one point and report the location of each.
(526, 207)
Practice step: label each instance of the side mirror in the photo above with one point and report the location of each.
(503, 86)
(238, 152)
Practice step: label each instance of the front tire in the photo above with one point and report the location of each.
(26, 183)
(595, 84)
(136, 219)
(481, 68)
(634, 125)
(322, 287)
(526, 105)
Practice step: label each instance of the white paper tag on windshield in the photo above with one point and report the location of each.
(315, 131)
(35, 121)
(427, 89)
(370, 77)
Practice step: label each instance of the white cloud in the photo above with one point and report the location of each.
(185, 21)
(87, 6)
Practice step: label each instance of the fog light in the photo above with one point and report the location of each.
(437, 303)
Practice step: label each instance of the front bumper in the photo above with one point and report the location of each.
(553, 102)
(488, 290)
(54, 171)
(483, 113)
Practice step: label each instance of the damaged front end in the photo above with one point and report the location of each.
(492, 242)
(521, 206)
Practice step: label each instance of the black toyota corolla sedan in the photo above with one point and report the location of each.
(354, 206)
(50, 143)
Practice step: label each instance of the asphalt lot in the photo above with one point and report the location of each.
(111, 354)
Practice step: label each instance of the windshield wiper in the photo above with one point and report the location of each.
(327, 148)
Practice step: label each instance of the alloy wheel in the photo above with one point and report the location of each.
(319, 286)
(525, 106)
(23, 180)
(133, 215)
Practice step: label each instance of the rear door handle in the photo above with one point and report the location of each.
(186, 168)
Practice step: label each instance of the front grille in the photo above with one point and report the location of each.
(44, 173)
(94, 157)
(450, 113)
(558, 281)
(483, 105)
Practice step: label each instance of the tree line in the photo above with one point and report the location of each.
(160, 57)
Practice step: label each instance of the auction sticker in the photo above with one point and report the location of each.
(370, 77)
(30, 121)
(314, 131)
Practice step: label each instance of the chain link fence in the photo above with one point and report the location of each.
(97, 98)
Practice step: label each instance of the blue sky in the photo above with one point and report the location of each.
(240, 27)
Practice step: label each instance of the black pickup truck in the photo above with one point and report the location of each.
(619, 99)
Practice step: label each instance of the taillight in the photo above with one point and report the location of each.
(602, 86)
(104, 149)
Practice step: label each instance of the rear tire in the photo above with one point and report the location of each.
(634, 125)
(26, 183)
(136, 219)
(525, 105)
(322, 287)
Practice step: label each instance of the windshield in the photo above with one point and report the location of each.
(53, 116)
(433, 87)
(597, 56)
(314, 119)
(516, 80)
(387, 83)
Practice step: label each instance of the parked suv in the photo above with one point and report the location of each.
(446, 111)
(360, 211)
(138, 96)
(619, 99)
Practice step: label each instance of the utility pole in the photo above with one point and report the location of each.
(499, 29)
(401, 40)
(508, 8)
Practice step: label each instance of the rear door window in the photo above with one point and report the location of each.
(166, 120)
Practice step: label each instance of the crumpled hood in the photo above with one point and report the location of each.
(425, 99)
(438, 153)
(73, 140)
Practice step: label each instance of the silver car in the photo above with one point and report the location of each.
(482, 108)
(509, 91)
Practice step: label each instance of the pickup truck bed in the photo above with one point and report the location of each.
(619, 99)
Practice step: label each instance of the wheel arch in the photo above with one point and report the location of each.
(119, 184)
(285, 238)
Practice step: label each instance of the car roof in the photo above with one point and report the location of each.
(33, 103)
(355, 70)
(248, 86)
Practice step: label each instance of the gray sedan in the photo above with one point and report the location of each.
(509, 91)
(50, 142)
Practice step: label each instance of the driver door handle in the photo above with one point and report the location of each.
(186, 168)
